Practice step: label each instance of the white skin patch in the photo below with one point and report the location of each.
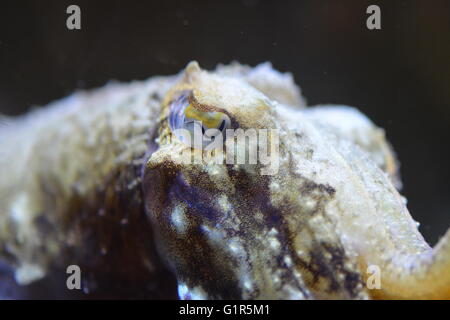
(247, 282)
(274, 243)
(178, 219)
(196, 293)
(28, 273)
(215, 236)
(183, 292)
(224, 203)
(273, 232)
(309, 204)
(235, 247)
(288, 261)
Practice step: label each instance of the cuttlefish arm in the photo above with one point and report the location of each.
(416, 271)
(380, 228)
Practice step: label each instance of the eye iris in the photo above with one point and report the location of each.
(177, 112)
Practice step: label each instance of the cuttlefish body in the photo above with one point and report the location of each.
(315, 214)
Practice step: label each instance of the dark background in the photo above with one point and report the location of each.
(399, 76)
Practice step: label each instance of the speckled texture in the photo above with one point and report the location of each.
(71, 191)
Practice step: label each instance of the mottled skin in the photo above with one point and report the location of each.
(309, 231)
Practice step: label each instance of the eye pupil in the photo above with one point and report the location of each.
(222, 125)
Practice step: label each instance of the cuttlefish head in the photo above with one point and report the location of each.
(227, 210)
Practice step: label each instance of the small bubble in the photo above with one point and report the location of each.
(101, 212)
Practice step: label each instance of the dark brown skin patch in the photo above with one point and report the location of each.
(109, 237)
(322, 267)
(273, 217)
(318, 265)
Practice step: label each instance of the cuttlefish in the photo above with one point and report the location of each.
(224, 182)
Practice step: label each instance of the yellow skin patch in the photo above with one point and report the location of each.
(208, 119)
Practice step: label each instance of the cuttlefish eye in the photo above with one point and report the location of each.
(195, 127)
